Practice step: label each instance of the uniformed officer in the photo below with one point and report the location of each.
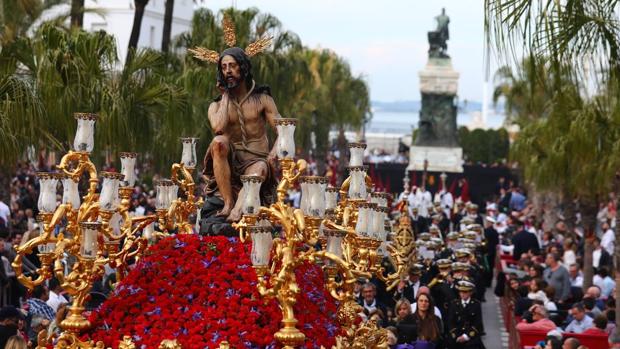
(465, 319)
(441, 288)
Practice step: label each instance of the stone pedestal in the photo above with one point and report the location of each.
(440, 159)
(438, 77)
(437, 137)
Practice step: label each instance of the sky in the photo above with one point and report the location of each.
(385, 41)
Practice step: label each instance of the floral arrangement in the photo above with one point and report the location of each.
(201, 291)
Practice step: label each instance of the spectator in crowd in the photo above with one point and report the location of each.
(557, 276)
(37, 303)
(9, 320)
(55, 296)
(581, 321)
(571, 343)
(600, 324)
(604, 282)
(16, 342)
(370, 301)
(608, 239)
(523, 241)
(538, 320)
(576, 276)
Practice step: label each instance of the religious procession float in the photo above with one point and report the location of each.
(284, 279)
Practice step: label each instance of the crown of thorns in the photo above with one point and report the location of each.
(211, 56)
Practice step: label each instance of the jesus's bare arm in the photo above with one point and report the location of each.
(218, 115)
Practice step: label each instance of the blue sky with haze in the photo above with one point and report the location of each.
(385, 41)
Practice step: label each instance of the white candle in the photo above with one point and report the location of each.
(85, 134)
(48, 183)
(128, 168)
(262, 242)
(89, 245)
(357, 154)
(285, 146)
(251, 192)
(188, 157)
(334, 241)
(331, 198)
(357, 184)
(70, 193)
(162, 199)
(109, 197)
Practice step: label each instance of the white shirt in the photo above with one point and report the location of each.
(577, 281)
(607, 241)
(370, 307)
(596, 257)
(569, 258)
(55, 300)
(5, 212)
(414, 307)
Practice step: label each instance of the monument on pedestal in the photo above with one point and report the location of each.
(437, 132)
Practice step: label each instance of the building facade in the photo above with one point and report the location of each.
(116, 18)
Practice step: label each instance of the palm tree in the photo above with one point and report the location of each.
(77, 13)
(165, 40)
(140, 6)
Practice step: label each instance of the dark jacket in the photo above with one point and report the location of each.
(465, 320)
(523, 242)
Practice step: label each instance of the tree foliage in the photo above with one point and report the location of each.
(484, 146)
(155, 98)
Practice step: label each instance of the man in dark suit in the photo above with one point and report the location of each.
(465, 319)
(492, 239)
(409, 288)
(523, 241)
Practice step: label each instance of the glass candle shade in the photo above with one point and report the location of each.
(48, 183)
(357, 184)
(357, 154)
(315, 204)
(379, 198)
(149, 231)
(304, 203)
(251, 194)
(128, 168)
(162, 199)
(334, 241)
(70, 193)
(89, 244)
(378, 223)
(188, 156)
(85, 134)
(363, 218)
(261, 245)
(285, 146)
(108, 198)
(331, 198)
(173, 193)
(115, 223)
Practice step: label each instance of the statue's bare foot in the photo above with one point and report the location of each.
(225, 211)
(234, 216)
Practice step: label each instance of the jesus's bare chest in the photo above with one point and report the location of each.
(251, 114)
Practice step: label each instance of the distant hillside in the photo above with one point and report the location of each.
(414, 106)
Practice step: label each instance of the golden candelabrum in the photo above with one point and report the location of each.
(173, 212)
(350, 241)
(81, 235)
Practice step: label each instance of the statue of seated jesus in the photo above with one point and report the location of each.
(239, 119)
